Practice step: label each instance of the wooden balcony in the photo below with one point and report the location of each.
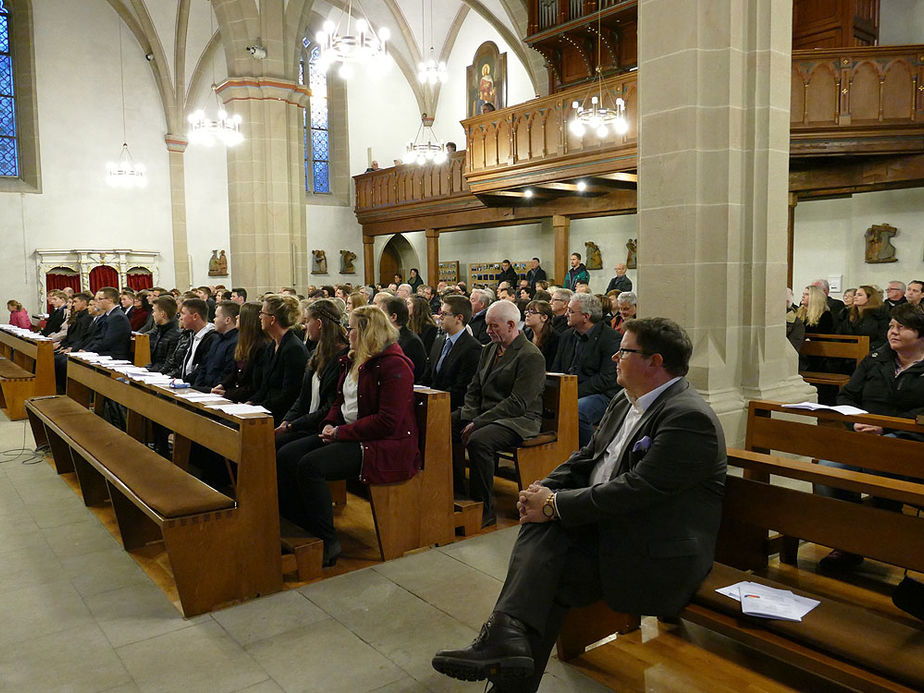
(857, 101)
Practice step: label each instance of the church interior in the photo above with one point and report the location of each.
(760, 145)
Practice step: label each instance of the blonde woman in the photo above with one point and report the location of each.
(369, 432)
(814, 313)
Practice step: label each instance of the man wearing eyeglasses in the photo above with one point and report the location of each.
(560, 300)
(454, 354)
(631, 517)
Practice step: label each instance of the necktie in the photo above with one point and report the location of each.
(446, 347)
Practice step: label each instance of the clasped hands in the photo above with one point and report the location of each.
(531, 502)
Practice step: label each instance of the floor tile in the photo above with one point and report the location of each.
(268, 686)
(263, 618)
(77, 659)
(48, 514)
(324, 656)
(134, 613)
(29, 565)
(489, 553)
(79, 538)
(407, 685)
(199, 658)
(40, 609)
(101, 571)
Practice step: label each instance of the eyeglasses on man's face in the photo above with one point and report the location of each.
(622, 351)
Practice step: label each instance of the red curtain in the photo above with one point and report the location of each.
(139, 278)
(103, 275)
(59, 278)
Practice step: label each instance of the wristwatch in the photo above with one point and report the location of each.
(549, 508)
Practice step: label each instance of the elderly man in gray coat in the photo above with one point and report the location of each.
(503, 405)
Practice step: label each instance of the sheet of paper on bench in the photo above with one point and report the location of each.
(238, 409)
(844, 409)
(768, 602)
(203, 397)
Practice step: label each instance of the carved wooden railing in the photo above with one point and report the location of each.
(871, 95)
(407, 184)
(547, 14)
(534, 135)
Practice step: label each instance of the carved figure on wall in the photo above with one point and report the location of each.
(486, 81)
(318, 262)
(632, 255)
(213, 264)
(346, 262)
(592, 259)
(218, 266)
(879, 246)
(223, 264)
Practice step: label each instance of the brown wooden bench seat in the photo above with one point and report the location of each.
(221, 550)
(535, 457)
(833, 346)
(26, 370)
(141, 349)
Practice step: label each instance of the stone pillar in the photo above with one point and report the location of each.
(561, 260)
(712, 199)
(266, 183)
(369, 259)
(176, 145)
(433, 256)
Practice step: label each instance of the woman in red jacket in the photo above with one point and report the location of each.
(370, 431)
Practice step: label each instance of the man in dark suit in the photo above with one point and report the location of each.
(502, 406)
(836, 306)
(219, 361)
(535, 273)
(454, 356)
(77, 335)
(127, 302)
(113, 334)
(507, 274)
(620, 282)
(58, 301)
(480, 300)
(560, 300)
(586, 350)
(631, 517)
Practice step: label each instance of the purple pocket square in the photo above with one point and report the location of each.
(642, 445)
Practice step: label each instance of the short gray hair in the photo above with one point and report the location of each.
(564, 294)
(629, 297)
(589, 305)
(505, 310)
(901, 285)
(485, 296)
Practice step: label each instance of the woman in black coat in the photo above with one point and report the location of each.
(538, 318)
(868, 316)
(319, 385)
(240, 385)
(280, 378)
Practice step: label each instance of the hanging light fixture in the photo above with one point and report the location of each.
(431, 71)
(425, 147)
(126, 172)
(599, 111)
(224, 128)
(359, 45)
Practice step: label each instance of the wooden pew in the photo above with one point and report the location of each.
(822, 434)
(838, 346)
(535, 457)
(27, 369)
(141, 349)
(221, 550)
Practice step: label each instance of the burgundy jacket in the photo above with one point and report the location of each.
(386, 426)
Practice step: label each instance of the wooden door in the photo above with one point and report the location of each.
(389, 265)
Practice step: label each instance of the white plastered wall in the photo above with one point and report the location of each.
(901, 22)
(829, 238)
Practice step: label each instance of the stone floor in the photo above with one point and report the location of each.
(78, 614)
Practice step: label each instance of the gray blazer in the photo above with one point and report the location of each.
(658, 515)
(510, 392)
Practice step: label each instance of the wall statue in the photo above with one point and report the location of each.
(632, 255)
(592, 259)
(879, 246)
(346, 262)
(223, 264)
(218, 266)
(318, 262)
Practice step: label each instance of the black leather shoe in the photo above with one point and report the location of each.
(501, 653)
(840, 561)
(331, 553)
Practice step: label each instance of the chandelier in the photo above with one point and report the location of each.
(599, 111)
(360, 46)
(224, 128)
(430, 72)
(422, 149)
(125, 173)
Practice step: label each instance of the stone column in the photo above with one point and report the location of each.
(266, 183)
(713, 184)
(433, 256)
(561, 260)
(176, 145)
(369, 259)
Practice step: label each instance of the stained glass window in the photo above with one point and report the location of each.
(9, 155)
(316, 124)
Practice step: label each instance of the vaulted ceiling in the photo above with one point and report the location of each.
(181, 37)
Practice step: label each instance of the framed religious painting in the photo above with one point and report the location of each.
(487, 79)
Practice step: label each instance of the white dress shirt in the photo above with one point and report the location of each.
(197, 339)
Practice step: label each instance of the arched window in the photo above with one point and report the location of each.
(9, 151)
(316, 123)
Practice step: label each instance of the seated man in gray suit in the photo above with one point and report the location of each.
(503, 405)
(631, 517)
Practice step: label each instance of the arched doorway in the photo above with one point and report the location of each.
(398, 256)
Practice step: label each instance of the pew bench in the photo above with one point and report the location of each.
(141, 349)
(841, 642)
(535, 457)
(26, 370)
(221, 550)
(833, 346)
